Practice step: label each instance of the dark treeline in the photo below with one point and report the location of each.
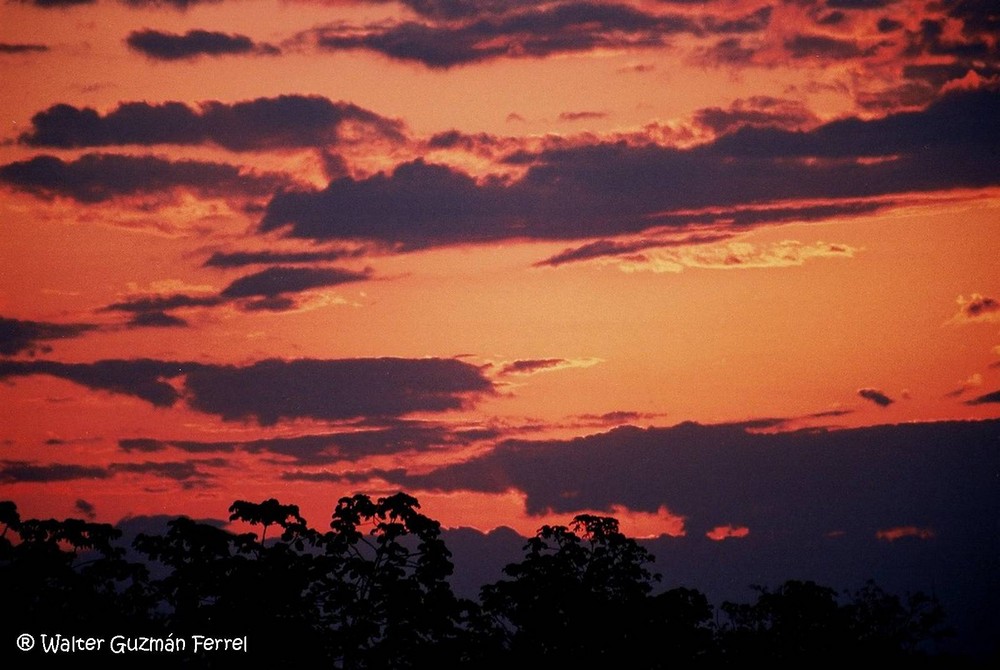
(373, 591)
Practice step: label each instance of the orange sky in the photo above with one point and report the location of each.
(774, 214)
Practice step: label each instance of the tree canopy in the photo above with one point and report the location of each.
(373, 591)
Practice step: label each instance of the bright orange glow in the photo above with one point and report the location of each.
(726, 532)
(899, 532)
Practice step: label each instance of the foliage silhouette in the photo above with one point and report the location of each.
(580, 594)
(384, 587)
(374, 592)
(801, 621)
(68, 575)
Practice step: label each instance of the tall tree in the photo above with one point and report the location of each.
(580, 594)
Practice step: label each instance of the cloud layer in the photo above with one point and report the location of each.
(605, 189)
(273, 390)
(794, 485)
(283, 122)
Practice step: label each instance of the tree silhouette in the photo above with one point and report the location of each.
(373, 592)
(68, 575)
(801, 621)
(232, 585)
(887, 627)
(579, 594)
(385, 589)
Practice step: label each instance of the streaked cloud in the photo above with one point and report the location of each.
(96, 178)
(272, 390)
(277, 288)
(233, 259)
(352, 443)
(189, 473)
(535, 32)
(160, 45)
(20, 336)
(22, 48)
(536, 365)
(283, 122)
(797, 484)
(609, 190)
(279, 280)
(986, 398)
(876, 396)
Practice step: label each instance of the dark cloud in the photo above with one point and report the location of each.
(638, 68)
(822, 46)
(789, 485)
(728, 51)
(192, 44)
(581, 116)
(142, 378)
(536, 32)
(271, 390)
(17, 336)
(160, 303)
(931, 39)
(529, 366)
(351, 444)
(599, 249)
(145, 444)
(268, 290)
(757, 112)
(276, 281)
(956, 123)
(95, 178)
(57, 3)
(616, 248)
(174, 4)
(278, 303)
(461, 9)
(832, 19)
(936, 75)
(153, 311)
(742, 217)
(876, 396)
(188, 472)
(419, 204)
(908, 94)
(887, 25)
(85, 508)
(480, 143)
(156, 319)
(978, 17)
(289, 121)
(236, 259)
(614, 189)
(980, 305)
(830, 413)
(859, 4)
(618, 418)
(984, 399)
(455, 34)
(340, 477)
(6, 48)
(756, 21)
(23, 471)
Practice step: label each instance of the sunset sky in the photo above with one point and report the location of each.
(725, 270)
